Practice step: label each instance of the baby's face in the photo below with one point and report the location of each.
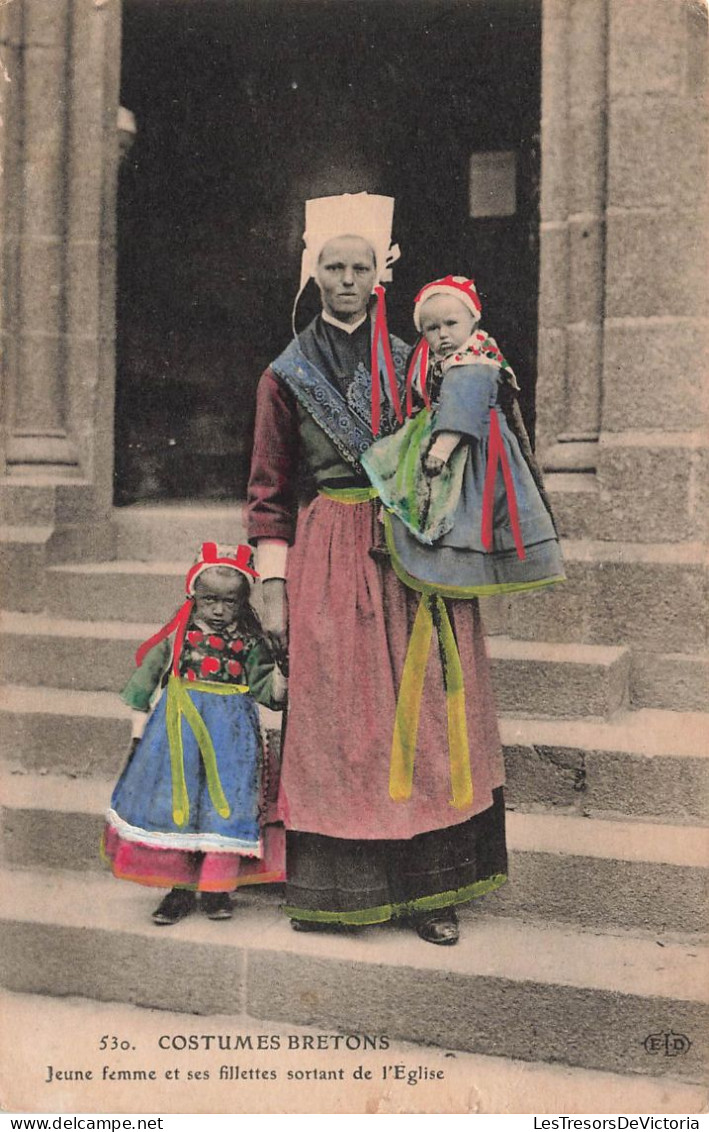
(446, 324)
(219, 593)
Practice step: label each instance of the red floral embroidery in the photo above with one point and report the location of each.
(216, 642)
(236, 646)
(209, 665)
(195, 637)
(191, 674)
(234, 668)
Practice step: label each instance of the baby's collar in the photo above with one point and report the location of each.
(480, 349)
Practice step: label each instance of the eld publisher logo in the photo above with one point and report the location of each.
(669, 1043)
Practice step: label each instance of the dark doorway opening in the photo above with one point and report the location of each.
(245, 108)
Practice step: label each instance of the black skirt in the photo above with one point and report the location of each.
(332, 880)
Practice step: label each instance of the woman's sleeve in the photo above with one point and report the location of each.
(271, 496)
(138, 692)
(267, 683)
(467, 394)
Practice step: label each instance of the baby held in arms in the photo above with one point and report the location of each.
(465, 509)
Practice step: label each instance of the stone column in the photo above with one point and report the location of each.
(553, 234)
(38, 439)
(60, 243)
(90, 244)
(10, 194)
(572, 232)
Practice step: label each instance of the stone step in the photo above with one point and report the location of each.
(530, 678)
(645, 762)
(130, 590)
(42, 522)
(24, 556)
(542, 679)
(574, 499)
(598, 872)
(116, 591)
(642, 763)
(137, 591)
(145, 532)
(645, 595)
(642, 595)
(510, 988)
(678, 681)
(586, 871)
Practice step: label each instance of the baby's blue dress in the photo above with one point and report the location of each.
(434, 525)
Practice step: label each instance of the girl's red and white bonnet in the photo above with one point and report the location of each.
(457, 286)
(234, 558)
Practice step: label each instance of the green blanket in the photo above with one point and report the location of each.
(425, 504)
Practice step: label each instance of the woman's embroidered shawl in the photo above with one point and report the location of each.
(328, 372)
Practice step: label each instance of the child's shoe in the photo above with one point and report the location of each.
(216, 905)
(178, 903)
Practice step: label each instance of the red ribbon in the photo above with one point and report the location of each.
(419, 361)
(497, 453)
(179, 623)
(380, 335)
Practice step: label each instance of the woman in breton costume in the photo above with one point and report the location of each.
(391, 786)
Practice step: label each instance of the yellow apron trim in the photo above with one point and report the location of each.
(179, 704)
(217, 689)
(349, 494)
(431, 611)
(459, 752)
(173, 722)
(406, 720)
(456, 591)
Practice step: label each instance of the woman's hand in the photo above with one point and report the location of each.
(275, 612)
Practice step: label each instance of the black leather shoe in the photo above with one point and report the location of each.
(438, 927)
(178, 903)
(216, 905)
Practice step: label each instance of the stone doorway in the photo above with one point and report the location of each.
(246, 110)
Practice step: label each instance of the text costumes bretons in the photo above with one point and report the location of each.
(391, 783)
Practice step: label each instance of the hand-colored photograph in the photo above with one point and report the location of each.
(353, 489)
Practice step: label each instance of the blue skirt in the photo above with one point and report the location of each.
(142, 804)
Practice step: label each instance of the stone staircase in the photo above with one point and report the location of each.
(596, 943)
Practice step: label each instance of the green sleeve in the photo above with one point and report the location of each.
(259, 670)
(138, 692)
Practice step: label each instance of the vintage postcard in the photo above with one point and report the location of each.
(353, 645)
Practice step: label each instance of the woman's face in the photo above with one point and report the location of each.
(345, 275)
(446, 324)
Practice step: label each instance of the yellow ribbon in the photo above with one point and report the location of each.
(349, 494)
(431, 611)
(179, 704)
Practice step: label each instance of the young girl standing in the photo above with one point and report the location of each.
(466, 514)
(188, 811)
